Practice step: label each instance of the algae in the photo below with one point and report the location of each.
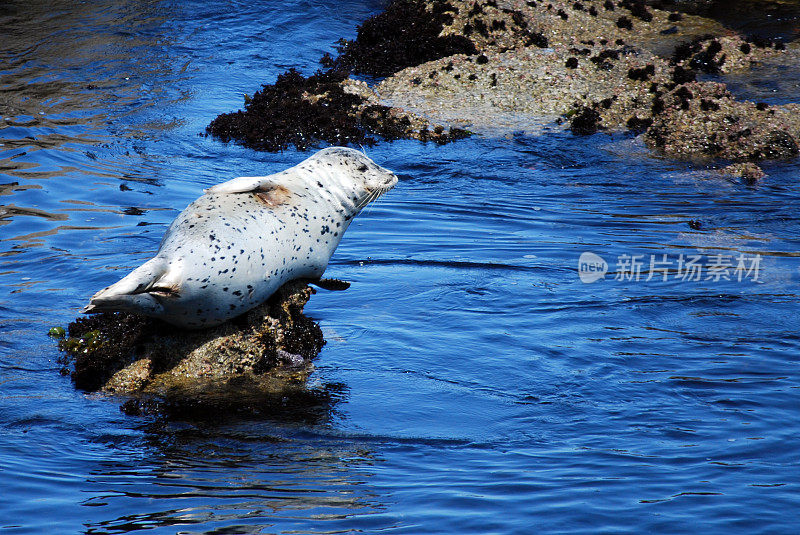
(326, 107)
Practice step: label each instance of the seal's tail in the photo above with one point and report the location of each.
(139, 292)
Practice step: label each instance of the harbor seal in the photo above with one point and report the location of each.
(232, 248)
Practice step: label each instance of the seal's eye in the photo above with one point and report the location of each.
(362, 168)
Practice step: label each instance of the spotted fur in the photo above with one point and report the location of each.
(229, 250)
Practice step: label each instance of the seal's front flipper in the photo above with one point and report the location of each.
(334, 285)
(245, 184)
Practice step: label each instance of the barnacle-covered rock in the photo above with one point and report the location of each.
(253, 363)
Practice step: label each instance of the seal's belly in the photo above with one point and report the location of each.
(237, 251)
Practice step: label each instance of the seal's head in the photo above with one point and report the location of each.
(356, 178)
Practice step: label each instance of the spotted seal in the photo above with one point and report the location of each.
(229, 250)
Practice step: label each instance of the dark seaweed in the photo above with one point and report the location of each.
(642, 74)
(304, 112)
(682, 76)
(280, 115)
(585, 122)
(102, 344)
(403, 35)
(638, 9)
(763, 42)
(638, 125)
(624, 23)
(536, 39)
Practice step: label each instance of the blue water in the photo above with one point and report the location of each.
(478, 386)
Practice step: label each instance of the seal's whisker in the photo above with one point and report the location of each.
(363, 204)
(372, 198)
(369, 198)
(376, 196)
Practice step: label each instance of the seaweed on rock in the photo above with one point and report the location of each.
(325, 107)
(102, 344)
(585, 122)
(295, 111)
(405, 34)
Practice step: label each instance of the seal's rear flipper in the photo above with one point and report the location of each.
(138, 292)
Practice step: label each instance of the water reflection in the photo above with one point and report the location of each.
(80, 83)
(240, 477)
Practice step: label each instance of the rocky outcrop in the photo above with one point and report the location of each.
(252, 363)
(452, 67)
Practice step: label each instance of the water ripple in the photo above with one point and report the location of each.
(477, 384)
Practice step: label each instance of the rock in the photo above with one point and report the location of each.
(252, 361)
(518, 89)
(724, 54)
(702, 120)
(325, 107)
(496, 66)
(602, 75)
(749, 172)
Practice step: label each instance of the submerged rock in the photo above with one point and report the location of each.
(749, 172)
(250, 364)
